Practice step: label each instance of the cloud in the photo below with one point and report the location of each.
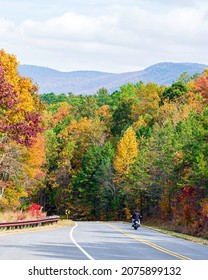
(68, 26)
(131, 27)
(121, 36)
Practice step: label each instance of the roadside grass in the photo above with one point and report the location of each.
(19, 215)
(164, 228)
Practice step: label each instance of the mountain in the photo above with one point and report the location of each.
(89, 82)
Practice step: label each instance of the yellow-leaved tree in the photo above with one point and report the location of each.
(82, 135)
(24, 87)
(127, 152)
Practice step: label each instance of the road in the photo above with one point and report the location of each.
(98, 241)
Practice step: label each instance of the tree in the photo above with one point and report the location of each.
(87, 107)
(146, 101)
(184, 78)
(93, 186)
(154, 167)
(20, 123)
(174, 92)
(193, 133)
(83, 133)
(128, 91)
(35, 158)
(127, 152)
(103, 97)
(201, 86)
(121, 118)
(20, 117)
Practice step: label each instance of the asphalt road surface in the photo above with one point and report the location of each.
(98, 241)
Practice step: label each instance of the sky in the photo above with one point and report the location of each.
(112, 36)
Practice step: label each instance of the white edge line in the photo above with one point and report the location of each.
(78, 246)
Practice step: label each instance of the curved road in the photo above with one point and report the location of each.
(98, 241)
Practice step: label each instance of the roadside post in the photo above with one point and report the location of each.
(67, 212)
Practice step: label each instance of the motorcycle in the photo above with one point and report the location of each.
(136, 224)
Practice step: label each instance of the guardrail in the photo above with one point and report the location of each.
(29, 223)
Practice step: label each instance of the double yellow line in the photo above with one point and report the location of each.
(150, 243)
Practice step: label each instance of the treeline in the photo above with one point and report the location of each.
(22, 148)
(101, 156)
(144, 146)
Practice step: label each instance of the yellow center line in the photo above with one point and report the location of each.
(157, 247)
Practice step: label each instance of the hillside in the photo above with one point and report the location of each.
(103, 156)
(88, 82)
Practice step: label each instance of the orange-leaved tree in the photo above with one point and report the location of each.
(201, 86)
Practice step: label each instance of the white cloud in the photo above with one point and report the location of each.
(136, 30)
(121, 37)
(68, 26)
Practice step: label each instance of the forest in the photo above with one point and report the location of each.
(102, 156)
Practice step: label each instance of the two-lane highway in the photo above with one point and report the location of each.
(119, 241)
(98, 241)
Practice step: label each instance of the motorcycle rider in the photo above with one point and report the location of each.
(135, 216)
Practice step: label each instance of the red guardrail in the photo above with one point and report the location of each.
(29, 223)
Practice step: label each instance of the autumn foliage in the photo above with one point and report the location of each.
(20, 124)
(36, 210)
(103, 155)
(127, 152)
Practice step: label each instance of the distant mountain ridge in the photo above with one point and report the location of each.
(89, 82)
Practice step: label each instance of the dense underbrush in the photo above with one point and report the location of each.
(33, 212)
(185, 231)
